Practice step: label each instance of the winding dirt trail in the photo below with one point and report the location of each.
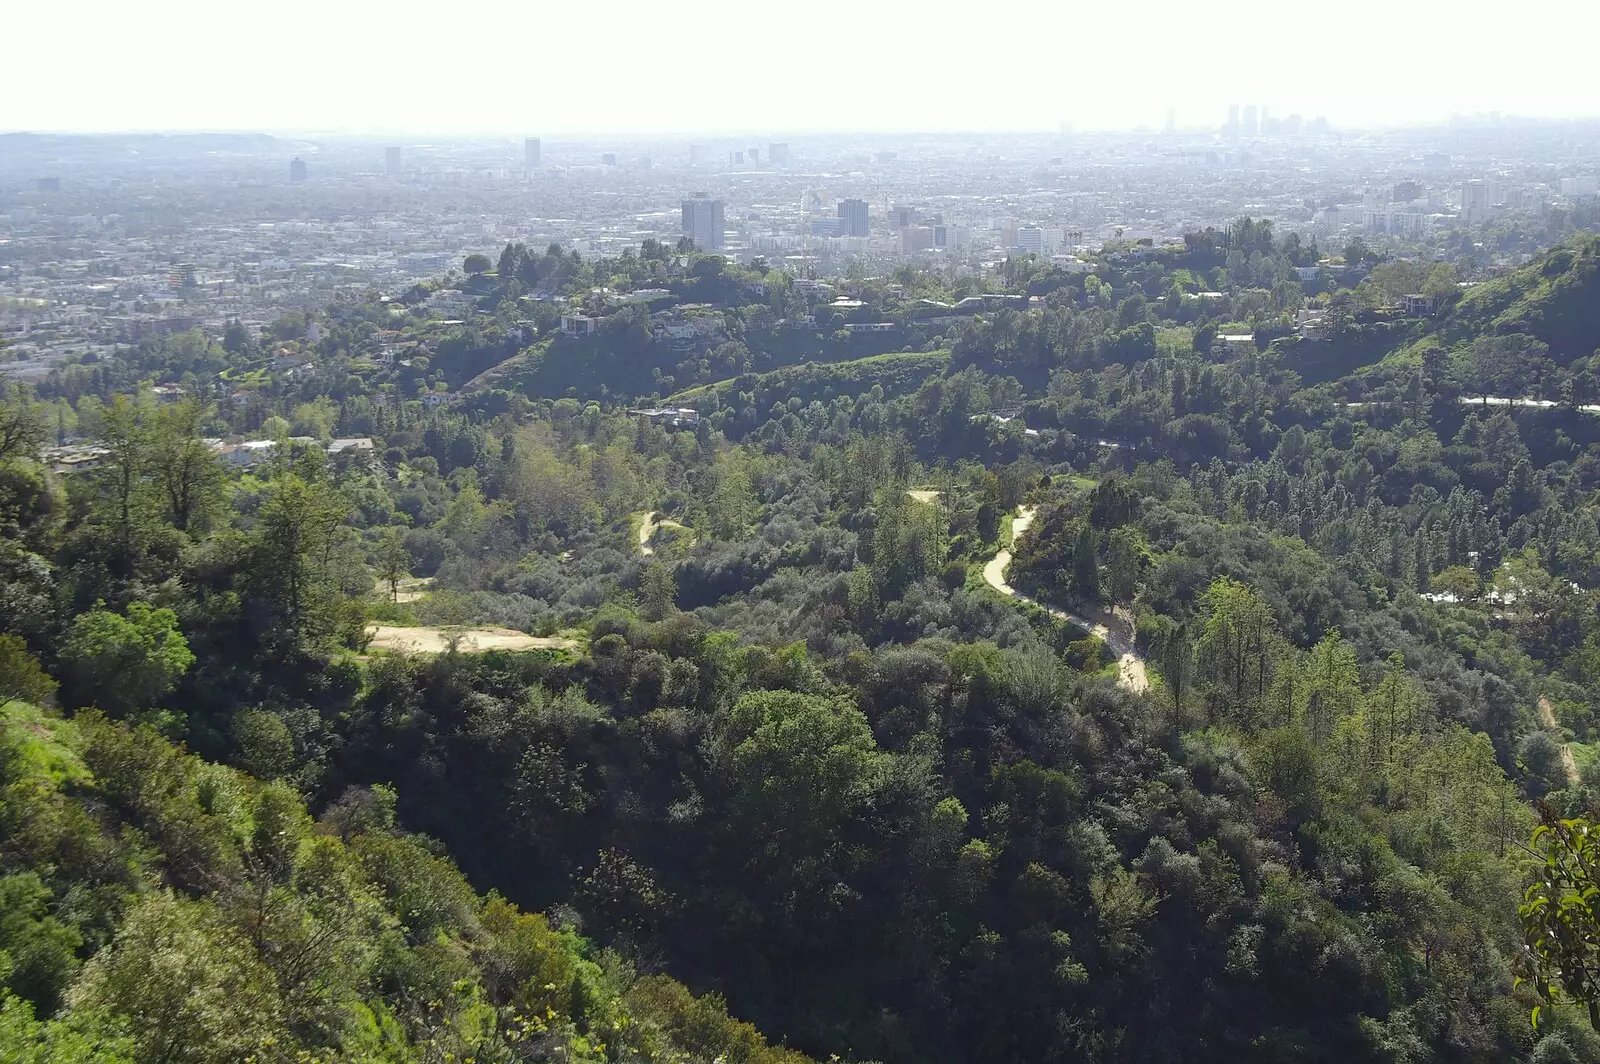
(1130, 666)
(1547, 717)
(647, 531)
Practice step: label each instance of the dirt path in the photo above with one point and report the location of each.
(436, 639)
(647, 531)
(1130, 666)
(1547, 717)
(412, 588)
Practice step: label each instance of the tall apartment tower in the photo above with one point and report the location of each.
(1250, 127)
(777, 154)
(853, 213)
(1477, 201)
(297, 170)
(530, 154)
(391, 159)
(702, 222)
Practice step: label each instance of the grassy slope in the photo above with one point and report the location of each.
(898, 373)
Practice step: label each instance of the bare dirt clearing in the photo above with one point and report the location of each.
(436, 639)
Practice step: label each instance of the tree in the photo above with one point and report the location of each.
(124, 663)
(237, 340)
(1234, 654)
(26, 1040)
(1085, 566)
(1560, 958)
(295, 537)
(1496, 365)
(193, 990)
(393, 560)
(122, 498)
(21, 430)
(186, 471)
(799, 765)
(22, 678)
(266, 749)
(476, 264)
(1125, 551)
(658, 592)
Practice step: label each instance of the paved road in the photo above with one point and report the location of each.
(1130, 666)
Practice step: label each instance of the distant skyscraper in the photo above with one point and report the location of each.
(777, 154)
(297, 170)
(1233, 119)
(391, 159)
(853, 212)
(755, 154)
(702, 222)
(1248, 127)
(1030, 238)
(699, 153)
(182, 275)
(916, 238)
(530, 153)
(1477, 199)
(1172, 119)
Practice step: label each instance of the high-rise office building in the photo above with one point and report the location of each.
(853, 212)
(297, 170)
(391, 159)
(1231, 130)
(1477, 201)
(916, 238)
(182, 275)
(755, 154)
(702, 222)
(530, 153)
(1172, 119)
(1030, 238)
(699, 153)
(777, 154)
(1249, 126)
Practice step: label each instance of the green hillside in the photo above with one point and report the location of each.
(1555, 299)
(897, 373)
(158, 907)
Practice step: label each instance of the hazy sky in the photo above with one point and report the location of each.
(747, 66)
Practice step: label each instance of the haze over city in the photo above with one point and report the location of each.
(725, 66)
